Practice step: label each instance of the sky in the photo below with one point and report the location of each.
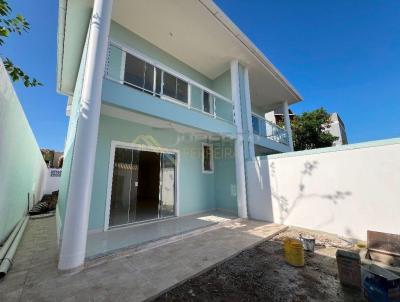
(342, 55)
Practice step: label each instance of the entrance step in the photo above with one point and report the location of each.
(151, 244)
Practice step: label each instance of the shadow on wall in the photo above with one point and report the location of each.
(287, 207)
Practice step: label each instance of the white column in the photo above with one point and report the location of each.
(288, 128)
(239, 153)
(249, 119)
(73, 245)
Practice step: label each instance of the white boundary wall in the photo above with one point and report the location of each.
(345, 190)
(53, 180)
(23, 171)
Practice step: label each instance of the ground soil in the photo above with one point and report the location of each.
(261, 274)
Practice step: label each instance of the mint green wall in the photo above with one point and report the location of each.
(22, 168)
(222, 84)
(123, 35)
(128, 98)
(69, 144)
(225, 180)
(197, 190)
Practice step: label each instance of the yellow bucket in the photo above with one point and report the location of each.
(294, 252)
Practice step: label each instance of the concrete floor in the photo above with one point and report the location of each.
(101, 243)
(137, 277)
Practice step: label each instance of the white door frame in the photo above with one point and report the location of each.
(115, 144)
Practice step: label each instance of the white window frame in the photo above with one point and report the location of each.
(211, 158)
(119, 144)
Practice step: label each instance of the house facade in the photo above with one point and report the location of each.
(166, 101)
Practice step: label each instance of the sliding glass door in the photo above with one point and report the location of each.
(143, 186)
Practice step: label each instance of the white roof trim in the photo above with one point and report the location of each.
(235, 31)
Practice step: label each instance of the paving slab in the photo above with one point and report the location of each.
(136, 277)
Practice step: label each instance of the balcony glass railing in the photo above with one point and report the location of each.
(265, 128)
(130, 68)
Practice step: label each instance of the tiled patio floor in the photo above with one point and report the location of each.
(137, 277)
(101, 243)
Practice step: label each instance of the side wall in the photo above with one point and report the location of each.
(345, 190)
(22, 167)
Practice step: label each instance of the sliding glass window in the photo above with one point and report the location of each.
(150, 79)
(140, 75)
(175, 88)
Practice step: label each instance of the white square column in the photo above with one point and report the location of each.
(74, 236)
(249, 122)
(239, 148)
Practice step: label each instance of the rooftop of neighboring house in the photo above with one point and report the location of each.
(196, 32)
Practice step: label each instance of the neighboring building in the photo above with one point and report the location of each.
(338, 129)
(166, 104)
(277, 116)
(52, 158)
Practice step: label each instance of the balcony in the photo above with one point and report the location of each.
(270, 131)
(135, 71)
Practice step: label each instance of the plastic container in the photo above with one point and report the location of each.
(308, 242)
(294, 252)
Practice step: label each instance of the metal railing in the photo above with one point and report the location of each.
(265, 128)
(219, 107)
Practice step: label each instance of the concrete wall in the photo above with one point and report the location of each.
(22, 168)
(345, 190)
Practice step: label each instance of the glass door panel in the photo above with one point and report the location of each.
(122, 174)
(167, 185)
(134, 183)
(143, 186)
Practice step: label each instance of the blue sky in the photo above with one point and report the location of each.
(341, 55)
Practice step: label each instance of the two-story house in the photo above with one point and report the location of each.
(166, 101)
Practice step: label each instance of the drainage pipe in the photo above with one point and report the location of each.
(10, 239)
(8, 259)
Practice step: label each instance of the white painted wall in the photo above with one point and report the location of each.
(345, 190)
(22, 168)
(53, 180)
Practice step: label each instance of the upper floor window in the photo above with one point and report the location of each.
(208, 103)
(175, 88)
(150, 79)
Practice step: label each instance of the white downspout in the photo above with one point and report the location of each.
(288, 128)
(73, 245)
(239, 153)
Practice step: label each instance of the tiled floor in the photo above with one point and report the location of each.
(101, 243)
(34, 276)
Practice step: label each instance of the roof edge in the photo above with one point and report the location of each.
(62, 15)
(235, 31)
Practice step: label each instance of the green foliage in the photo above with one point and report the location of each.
(14, 25)
(309, 130)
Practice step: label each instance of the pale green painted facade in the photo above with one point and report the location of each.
(198, 192)
(22, 168)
